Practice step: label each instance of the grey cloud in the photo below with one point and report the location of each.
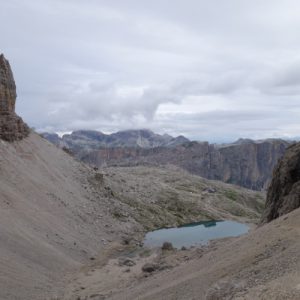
(229, 125)
(112, 65)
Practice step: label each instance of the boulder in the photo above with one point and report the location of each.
(125, 261)
(167, 246)
(150, 267)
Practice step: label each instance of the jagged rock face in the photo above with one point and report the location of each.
(248, 165)
(246, 162)
(89, 140)
(8, 93)
(284, 192)
(12, 127)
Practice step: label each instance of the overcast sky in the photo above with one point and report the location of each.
(211, 70)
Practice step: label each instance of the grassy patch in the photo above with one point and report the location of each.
(231, 194)
(186, 188)
(260, 203)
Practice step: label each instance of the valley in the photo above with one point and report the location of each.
(75, 231)
(56, 217)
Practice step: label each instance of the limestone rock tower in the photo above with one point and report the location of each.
(12, 127)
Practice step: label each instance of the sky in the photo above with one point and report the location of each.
(210, 70)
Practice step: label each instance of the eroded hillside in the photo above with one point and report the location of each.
(57, 213)
(261, 265)
(159, 197)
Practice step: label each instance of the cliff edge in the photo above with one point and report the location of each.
(284, 192)
(12, 127)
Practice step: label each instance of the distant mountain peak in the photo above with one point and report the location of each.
(242, 141)
(130, 138)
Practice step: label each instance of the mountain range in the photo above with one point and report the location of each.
(82, 140)
(246, 162)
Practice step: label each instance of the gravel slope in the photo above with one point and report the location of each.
(262, 265)
(58, 216)
(51, 221)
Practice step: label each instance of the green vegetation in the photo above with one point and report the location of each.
(260, 203)
(186, 188)
(231, 194)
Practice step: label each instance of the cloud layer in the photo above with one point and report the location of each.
(211, 70)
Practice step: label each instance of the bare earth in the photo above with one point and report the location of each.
(51, 221)
(264, 264)
(64, 228)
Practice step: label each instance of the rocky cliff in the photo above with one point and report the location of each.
(284, 192)
(248, 164)
(12, 126)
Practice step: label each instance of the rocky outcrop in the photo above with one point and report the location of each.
(248, 164)
(284, 192)
(12, 127)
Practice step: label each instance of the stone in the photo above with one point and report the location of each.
(125, 261)
(224, 290)
(284, 192)
(99, 177)
(149, 267)
(210, 190)
(167, 246)
(12, 127)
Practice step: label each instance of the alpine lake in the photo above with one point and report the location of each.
(194, 234)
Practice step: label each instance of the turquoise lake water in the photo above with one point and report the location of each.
(194, 234)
